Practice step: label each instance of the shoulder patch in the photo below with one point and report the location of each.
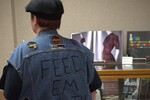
(57, 46)
(56, 40)
(32, 45)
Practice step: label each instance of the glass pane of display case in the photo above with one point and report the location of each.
(124, 84)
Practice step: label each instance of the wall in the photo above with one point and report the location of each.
(125, 15)
(6, 32)
(80, 15)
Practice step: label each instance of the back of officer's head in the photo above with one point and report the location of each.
(48, 12)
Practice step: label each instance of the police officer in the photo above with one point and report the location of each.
(49, 67)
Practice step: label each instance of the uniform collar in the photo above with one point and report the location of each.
(47, 31)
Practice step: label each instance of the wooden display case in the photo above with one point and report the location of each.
(139, 71)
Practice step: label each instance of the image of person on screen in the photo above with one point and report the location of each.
(109, 43)
(82, 41)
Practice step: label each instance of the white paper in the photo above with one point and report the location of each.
(127, 60)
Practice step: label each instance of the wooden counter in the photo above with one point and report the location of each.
(119, 73)
(139, 70)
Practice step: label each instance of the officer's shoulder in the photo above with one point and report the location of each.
(22, 45)
(27, 45)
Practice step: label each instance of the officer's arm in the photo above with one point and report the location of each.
(96, 84)
(10, 83)
(2, 97)
(93, 95)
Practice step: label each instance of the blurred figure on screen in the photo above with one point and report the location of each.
(109, 43)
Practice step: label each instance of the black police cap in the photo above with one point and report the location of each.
(48, 9)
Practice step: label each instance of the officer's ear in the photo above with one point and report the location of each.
(34, 20)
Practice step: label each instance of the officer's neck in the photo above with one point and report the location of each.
(39, 29)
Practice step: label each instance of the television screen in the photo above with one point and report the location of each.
(138, 44)
(106, 45)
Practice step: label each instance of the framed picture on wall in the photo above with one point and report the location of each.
(138, 44)
(107, 46)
